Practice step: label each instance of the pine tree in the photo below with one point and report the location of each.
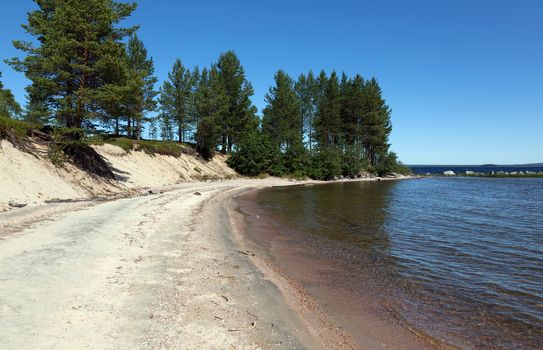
(376, 125)
(306, 89)
(9, 108)
(116, 94)
(210, 104)
(141, 82)
(153, 128)
(282, 119)
(352, 109)
(240, 117)
(78, 41)
(328, 122)
(166, 127)
(175, 98)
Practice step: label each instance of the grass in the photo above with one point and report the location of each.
(151, 147)
(18, 131)
(19, 127)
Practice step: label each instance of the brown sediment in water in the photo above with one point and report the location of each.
(341, 315)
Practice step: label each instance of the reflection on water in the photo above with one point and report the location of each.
(334, 211)
(460, 259)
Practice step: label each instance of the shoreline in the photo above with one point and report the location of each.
(376, 325)
(149, 272)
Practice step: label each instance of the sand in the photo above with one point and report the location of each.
(30, 180)
(160, 269)
(152, 272)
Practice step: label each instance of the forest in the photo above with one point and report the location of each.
(89, 73)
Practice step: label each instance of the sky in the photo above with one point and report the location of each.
(464, 78)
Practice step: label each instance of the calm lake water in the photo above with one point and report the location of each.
(457, 259)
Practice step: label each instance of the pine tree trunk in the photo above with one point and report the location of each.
(310, 139)
(116, 126)
(223, 149)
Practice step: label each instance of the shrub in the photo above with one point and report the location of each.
(389, 164)
(296, 160)
(327, 163)
(256, 155)
(15, 127)
(353, 162)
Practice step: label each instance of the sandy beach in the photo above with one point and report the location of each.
(153, 272)
(169, 270)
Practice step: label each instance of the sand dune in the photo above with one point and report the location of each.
(32, 180)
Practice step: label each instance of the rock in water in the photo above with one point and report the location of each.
(449, 173)
(469, 172)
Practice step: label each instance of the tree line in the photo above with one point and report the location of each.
(322, 126)
(88, 71)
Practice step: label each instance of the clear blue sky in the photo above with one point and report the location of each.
(464, 78)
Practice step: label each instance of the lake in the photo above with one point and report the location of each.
(458, 261)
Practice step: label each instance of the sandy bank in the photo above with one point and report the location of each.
(32, 179)
(150, 272)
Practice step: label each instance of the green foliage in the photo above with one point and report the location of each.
(210, 104)
(256, 155)
(327, 163)
(376, 125)
(167, 148)
(14, 126)
(353, 162)
(176, 98)
(151, 147)
(328, 124)
(306, 91)
(282, 116)
(84, 74)
(389, 164)
(141, 82)
(296, 160)
(125, 143)
(239, 118)
(9, 108)
(78, 43)
(344, 122)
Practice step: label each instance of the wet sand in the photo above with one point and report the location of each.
(316, 285)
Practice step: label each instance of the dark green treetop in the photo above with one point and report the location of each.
(240, 116)
(175, 97)
(282, 115)
(306, 89)
(9, 107)
(328, 122)
(210, 104)
(141, 81)
(376, 124)
(76, 43)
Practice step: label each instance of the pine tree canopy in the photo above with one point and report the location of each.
(175, 97)
(282, 119)
(9, 108)
(88, 71)
(77, 43)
